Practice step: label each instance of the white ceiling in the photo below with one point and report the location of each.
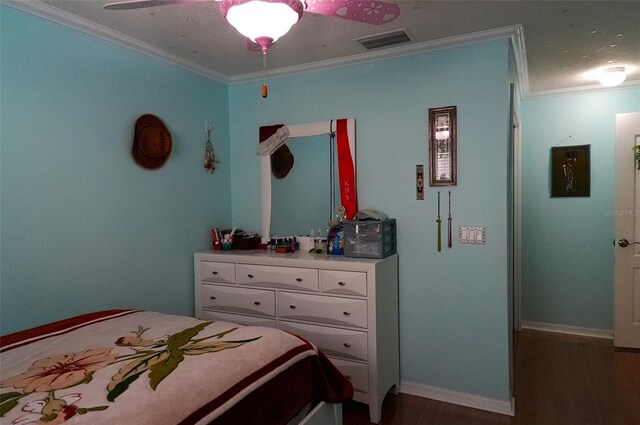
(563, 39)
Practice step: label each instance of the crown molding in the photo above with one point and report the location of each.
(592, 88)
(42, 10)
(520, 57)
(514, 32)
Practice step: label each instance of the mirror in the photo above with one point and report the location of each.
(303, 199)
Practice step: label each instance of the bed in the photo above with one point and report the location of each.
(142, 367)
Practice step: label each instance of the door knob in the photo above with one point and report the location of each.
(623, 243)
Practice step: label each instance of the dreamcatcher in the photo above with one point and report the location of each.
(209, 156)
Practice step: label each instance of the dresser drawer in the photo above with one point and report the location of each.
(217, 272)
(237, 318)
(345, 283)
(278, 277)
(238, 300)
(357, 373)
(332, 341)
(318, 308)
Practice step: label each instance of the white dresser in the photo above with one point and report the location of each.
(348, 307)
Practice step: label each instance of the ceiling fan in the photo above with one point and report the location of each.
(264, 21)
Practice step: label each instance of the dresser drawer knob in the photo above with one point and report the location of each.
(256, 302)
(293, 307)
(214, 272)
(298, 279)
(250, 276)
(346, 313)
(341, 283)
(347, 345)
(212, 297)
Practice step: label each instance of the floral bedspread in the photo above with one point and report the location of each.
(137, 367)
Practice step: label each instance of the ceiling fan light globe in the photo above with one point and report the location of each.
(612, 76)
(261, 19)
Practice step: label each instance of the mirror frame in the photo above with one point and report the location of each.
(299, 130)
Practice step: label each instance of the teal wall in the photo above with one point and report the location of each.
(567, 255)
(83, 226)
(454, 330)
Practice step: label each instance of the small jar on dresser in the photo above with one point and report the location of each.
(348, 307)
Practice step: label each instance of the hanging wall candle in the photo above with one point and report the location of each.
(442, 146)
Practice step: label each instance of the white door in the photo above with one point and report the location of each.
(627, 233)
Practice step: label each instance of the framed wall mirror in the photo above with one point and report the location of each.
(443, 140)
(306, 198)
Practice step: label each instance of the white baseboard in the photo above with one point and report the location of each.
(462, 399)
(571, 330)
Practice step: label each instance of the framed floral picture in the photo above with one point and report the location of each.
(443, 146)
(570, 171)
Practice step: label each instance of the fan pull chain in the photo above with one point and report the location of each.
(265, 90)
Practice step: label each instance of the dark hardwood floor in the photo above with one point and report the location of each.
(558, 380)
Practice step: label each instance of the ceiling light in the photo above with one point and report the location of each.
(610, 77)
(262, 21)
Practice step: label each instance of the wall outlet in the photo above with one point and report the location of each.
(472, 235)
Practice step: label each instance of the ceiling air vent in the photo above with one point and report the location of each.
(386, 39)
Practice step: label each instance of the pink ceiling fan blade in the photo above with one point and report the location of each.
(139, 4)
(367, 11)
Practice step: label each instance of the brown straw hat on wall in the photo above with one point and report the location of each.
(151, 142)
(281, 162)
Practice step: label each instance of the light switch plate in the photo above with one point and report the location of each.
(472, 235)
